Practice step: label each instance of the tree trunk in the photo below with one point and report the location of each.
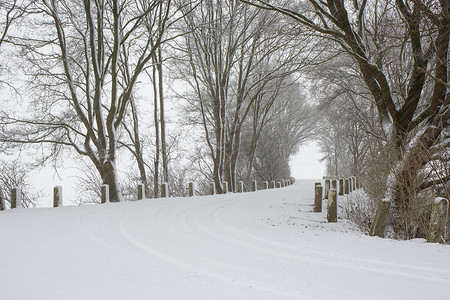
(162, 118)
(109, 177)
(138, 147)
(235, 153)
(157, 131)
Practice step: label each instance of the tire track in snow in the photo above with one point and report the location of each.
(192, 262)
(208, 235)
(308, 253)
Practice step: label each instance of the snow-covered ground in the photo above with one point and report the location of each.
(261, 245)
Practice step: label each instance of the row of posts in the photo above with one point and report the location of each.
(16, 194)
(16, 198)
(225, 187)
(333, 188)
(343, 186)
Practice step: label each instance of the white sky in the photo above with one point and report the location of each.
(305, 164)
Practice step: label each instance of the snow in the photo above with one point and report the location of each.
(438, 200)
(258, 245)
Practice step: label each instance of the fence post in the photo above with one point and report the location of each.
(438, 220)
(350, 185)
(346, 186)
(191, 189)
(327, 188)
(254, 186)
(16, 198)
(104, 193)
(212, 188)
(278, 185)
(341, 187)
(141, 191)
(353, 183)
(240, 187)
(334, 184)
(266, 185)
(318, 198)
(57, 196)
(2, 202)
(357, 182)
(164, 190)
(225, 187)
(381, 217)
(272, 184)
(332, 206)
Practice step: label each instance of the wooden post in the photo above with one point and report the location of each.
(266, 185)
(272, 186)
(334, 184)
(341, 187)
(353, 183)
(381, 217)
(357, 182)
(225, 187)
(332, 206)
(318, 198)
(2, 202)
(104, 193)
(57, 196)
(279, 185)
(254, 186)
(346, 186)
(212, 188)
(191, 189)
(16, 198)
(350, 185)
(438, 221)
(240, 187)
(327, 188)
(141, 191)
(165, 190)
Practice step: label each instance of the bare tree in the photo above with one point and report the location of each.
(11, 12)
(274, 132)
(85, 62)
(14, 174)
(415, 117)
(231, 58)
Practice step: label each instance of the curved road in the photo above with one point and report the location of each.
(262, 245)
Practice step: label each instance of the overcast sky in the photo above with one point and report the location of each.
(306, 164)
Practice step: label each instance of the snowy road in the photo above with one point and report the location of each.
(262, 245)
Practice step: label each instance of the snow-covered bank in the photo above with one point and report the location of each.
(262, 245)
